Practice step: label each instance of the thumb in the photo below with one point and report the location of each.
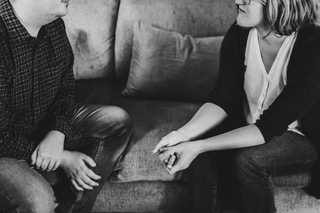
(34, 156)
(89, 161)
(175, 168)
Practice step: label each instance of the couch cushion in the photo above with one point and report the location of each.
(142, 197)
(90, 28)
(168, 65)
(152, 119)
(189, 17)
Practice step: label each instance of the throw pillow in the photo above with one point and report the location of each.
(171, 66)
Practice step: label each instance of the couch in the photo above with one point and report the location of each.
(101, 33)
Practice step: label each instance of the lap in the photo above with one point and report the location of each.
(282, 155)
(21, 187)
(98, 121)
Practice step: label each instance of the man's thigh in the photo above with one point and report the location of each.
(98, 121)
(22, 189)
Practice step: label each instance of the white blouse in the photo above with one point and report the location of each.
(261, 87)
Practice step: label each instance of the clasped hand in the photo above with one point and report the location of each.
(77, 165)
(47, 155)
(176, 151)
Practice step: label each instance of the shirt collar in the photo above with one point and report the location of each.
(16, 30)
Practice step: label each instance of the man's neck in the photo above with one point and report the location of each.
(26, 17)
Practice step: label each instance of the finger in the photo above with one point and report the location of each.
(88, 181)
(38, 162)
(92, 175)
(56, 165)
(50, 165)
(44, 164)
(161, 144)
(83, 184)
(166, 154)
(171, 161)
(74, 183)
(176, 168)
(34, 156)
(167, 159)
(89, 161)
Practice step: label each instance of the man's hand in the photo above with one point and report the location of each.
(75, 165)
(47, 155)
(171, 139)
(183, 154)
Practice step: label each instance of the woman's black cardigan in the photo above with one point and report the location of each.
(298, 100)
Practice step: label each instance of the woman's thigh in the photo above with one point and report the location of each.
(283, 155)
(22, 189)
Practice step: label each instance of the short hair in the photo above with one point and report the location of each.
(288, 16)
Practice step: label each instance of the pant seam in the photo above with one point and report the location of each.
(99, 151)
(17, 211)
(79, 197)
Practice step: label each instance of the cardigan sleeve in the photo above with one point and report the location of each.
(302, 89)
(228, 91)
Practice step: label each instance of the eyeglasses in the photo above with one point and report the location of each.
(248, 2)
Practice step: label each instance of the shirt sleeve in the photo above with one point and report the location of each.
(63, 106)
(302, 89)
(12, 144)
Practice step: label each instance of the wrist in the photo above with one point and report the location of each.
(184, 134)
(64, 157)
(56, 134)
(201, 146)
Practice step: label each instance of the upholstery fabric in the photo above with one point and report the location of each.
(145, 196)
(171, 66)
(90, 27)
(196, 18)
(152, 120)
(142, 185)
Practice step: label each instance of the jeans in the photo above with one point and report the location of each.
(246, 174)
(101, 132)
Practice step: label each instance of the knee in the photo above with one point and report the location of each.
(116, 117)
(41, 200)
(249, 165)
(35, 200)
(22, 189)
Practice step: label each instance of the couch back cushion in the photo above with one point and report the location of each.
(90, 27)
(201, 18)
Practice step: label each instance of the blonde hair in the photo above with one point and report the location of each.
(288, 16)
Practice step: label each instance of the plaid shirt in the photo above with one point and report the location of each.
(36, 83)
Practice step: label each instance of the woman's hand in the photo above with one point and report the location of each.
(171, 139)
(47, 155)
(75, 165)
(184, 154)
